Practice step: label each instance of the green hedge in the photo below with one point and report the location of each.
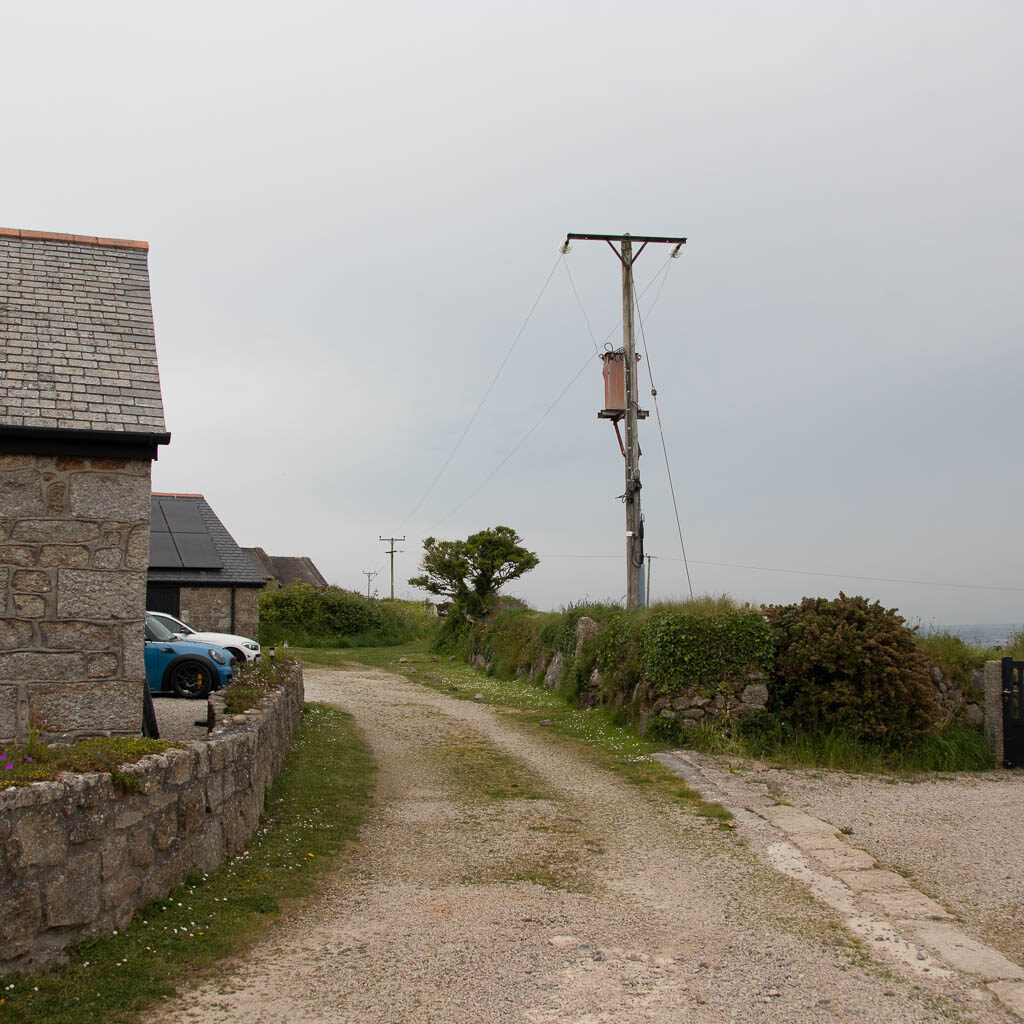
(332, 617)
(831, 666)
(669, 648)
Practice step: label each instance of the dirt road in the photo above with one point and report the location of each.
(503, 876)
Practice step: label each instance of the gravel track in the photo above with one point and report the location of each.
(591, 902)
(958, 838)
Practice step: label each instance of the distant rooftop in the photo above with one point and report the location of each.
(77, 346)
(286, 569)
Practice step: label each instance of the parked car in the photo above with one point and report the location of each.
(184, 667)
(241, 647)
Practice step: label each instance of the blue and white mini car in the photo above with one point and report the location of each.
(182, 667)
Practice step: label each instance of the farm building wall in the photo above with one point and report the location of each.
(74, 548)
(209, 609)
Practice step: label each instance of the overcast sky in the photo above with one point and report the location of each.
(352, 208)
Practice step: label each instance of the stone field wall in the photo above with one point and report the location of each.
(733, 697)
(79, 857)
(74, 549)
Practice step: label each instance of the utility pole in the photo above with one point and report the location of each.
(635, 596)
(391, 552)
(648, 594)
(369, 576)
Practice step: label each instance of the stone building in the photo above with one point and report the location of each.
(285, 570)
(81, 417)
(196, 570)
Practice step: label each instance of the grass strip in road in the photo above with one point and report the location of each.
(606, 741)
(313, 809)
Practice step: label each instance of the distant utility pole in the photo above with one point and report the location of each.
(391, 552)
(634, 521)
(369, 576)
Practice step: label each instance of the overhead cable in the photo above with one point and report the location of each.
(661, 432)
(813, 572)
(522, 440)
(490, 387)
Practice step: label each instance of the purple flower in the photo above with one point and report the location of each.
(27, 758)
(8, 766)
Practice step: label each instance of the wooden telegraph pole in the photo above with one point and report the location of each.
(391, 551)
(635, 596)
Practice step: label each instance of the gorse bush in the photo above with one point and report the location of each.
(848, 666)
(331, 617)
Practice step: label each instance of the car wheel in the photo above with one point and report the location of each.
(191, 679)
(237, 655)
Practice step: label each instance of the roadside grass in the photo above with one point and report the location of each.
(313, 809)
(956, 748)
(602, 738)
(956, 658)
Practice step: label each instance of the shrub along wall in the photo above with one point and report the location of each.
(307, 616)
(694, 662)
(842, 664)
(78, 857)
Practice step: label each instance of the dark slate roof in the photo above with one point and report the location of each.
(77, 347)
(286, 569)
(200, 539)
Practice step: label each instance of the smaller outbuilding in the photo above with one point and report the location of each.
(285, 570)
(196, 570)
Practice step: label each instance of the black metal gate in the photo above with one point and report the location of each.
(163, 597)
(1013, 712)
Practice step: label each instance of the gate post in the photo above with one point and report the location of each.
(994, 709)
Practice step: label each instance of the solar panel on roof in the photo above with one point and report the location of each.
(182, 516)
(157, 523)
(197, 551)
(162, 552)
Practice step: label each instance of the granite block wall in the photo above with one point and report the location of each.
(78, 857)
(74, 549)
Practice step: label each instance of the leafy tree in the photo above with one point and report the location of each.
(471, 572)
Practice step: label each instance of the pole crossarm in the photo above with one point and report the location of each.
(618, 238)
(623, 240)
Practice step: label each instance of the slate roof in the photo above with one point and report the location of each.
(286, 569)
(77, 346)
(235, 569)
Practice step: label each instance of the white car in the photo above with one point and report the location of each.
(240, 647)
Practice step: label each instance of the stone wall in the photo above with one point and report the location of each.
(74, 549)
(208, 609)
(78, 857)
(957, 700)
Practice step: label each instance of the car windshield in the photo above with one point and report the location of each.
(156, 630)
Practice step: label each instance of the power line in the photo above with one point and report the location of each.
(813, 572)
(519, 444)
(490, 476)
(490, 387)
(664, 447)
(579, 301)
